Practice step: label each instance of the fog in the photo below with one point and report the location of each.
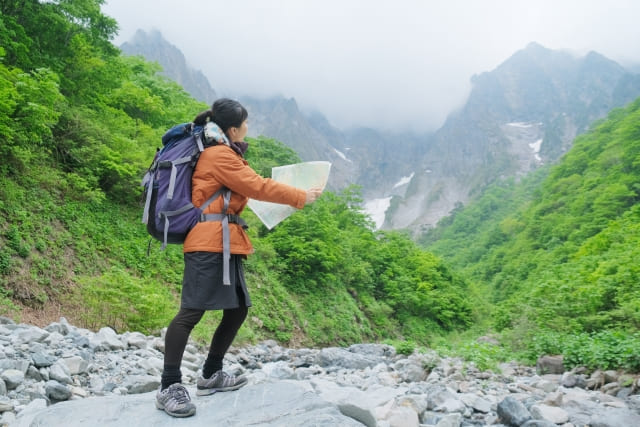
(401, 65)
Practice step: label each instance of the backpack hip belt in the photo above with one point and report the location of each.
(225, 219)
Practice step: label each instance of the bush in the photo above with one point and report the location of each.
(603, 350)
(405, 347)
(124, 302)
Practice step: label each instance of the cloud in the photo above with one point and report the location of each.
(403, 65)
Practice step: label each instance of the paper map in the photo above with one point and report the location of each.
(302, 175)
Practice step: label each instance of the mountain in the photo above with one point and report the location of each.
(312, 137)
(518, 117)
(560, 248)
(360, 156)
(521, 115)
(154, 47)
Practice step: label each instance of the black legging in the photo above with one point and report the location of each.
(181, 326)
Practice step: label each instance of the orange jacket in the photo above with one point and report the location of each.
(220, 166)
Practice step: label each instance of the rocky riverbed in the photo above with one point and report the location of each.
(62, 375)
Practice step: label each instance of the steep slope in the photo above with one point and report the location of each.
(154, 47)
(564, 253)
(518, 117)
(312, 138)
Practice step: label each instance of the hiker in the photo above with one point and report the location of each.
(221, 165)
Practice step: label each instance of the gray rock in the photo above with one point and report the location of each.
(550, 365)
(80, 341)
(34, 374)
(5, 404)
(550, 413)
(512, 412)
(410, 370)
(279, 370)
(276, 404)
(61, 327)
(59, 372)
(402, 416)
(539, 423)
(106, 339)
(438, 395)
(12, 378)
(365, 383)
(57, 392)
(355, 403)
(6, 321)
(450, 420)
(476, 402)
(76, 365)
(378, 351)
(141, 384)
(20, 365)
(30, 334)
(42, 360)
(136, 339)
(7, 418)
(339, 357)
(615, 417)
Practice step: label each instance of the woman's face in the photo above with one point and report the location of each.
(238, 134)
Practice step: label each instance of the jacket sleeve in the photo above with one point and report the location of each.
(234, 173)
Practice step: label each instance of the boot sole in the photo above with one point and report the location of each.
(174, 414)
(209, 391)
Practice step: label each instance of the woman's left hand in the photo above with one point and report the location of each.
(312, 195)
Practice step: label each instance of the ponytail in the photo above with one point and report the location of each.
(203, 117)
(225, 112)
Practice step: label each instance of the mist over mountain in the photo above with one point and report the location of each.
(521, 115)
(518, 117)
(357, 155)
(153, 47)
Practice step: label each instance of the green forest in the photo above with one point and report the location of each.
(546, 265)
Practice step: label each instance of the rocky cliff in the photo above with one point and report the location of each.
(153, 47)
(521, 115)
(518, 117)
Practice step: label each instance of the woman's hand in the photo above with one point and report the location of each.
(312, 195)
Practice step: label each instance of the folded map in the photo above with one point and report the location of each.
(302, 175)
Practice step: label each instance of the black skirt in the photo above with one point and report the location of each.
(202, 287)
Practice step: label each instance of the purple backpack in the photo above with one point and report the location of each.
(168, 211)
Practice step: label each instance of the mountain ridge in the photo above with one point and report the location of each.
(523, 114)
(556, 95)
(154, 47)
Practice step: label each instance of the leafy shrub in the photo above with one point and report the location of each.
(484, 355)
(405, 347)
(124, 302)
(603, 350)
(5, 261)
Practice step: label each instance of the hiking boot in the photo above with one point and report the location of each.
(175, 401)
(220, 381)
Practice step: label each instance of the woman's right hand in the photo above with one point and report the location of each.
(312, 195)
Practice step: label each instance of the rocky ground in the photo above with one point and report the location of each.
(62, 375)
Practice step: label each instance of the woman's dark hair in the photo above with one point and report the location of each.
(225, 112)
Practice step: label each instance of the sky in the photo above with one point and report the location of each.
(401, 65)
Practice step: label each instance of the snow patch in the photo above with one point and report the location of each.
(376, 209)
(535, 147)
(404, 180)
(520, 124)
(342, 155)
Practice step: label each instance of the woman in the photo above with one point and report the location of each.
(221, 165)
